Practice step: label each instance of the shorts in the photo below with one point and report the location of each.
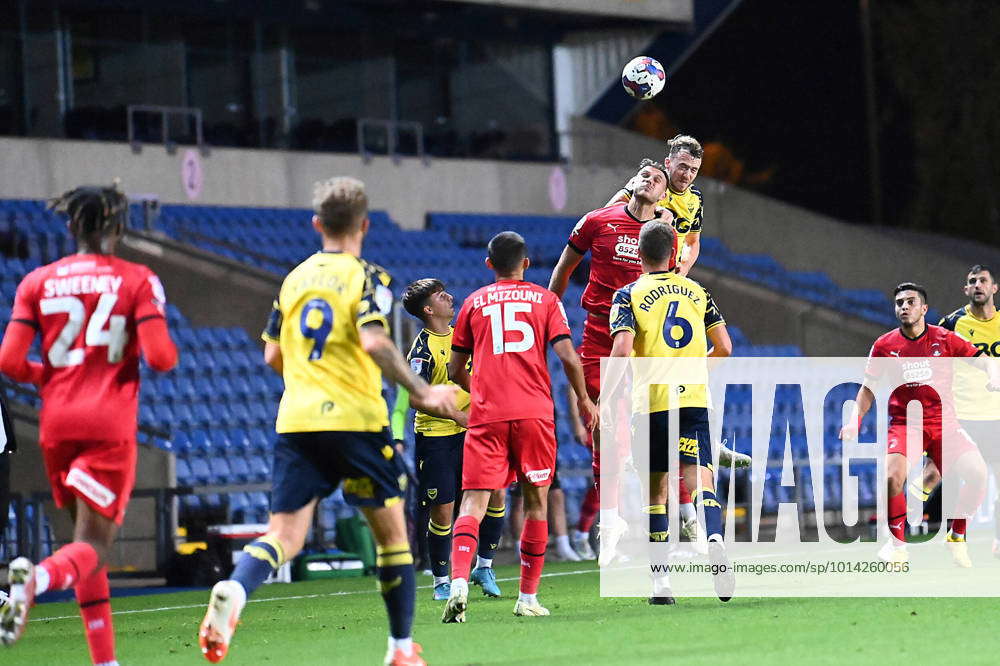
(101, 473)
(959, 442)
(596, 345)
(497, 453)
(309, 465)
(986, 435)
(695, 440)
(439, 468)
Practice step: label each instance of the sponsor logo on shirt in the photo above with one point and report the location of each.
(627, 248)
(915, 372)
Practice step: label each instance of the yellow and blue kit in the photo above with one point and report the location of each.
(670, 316)
(688, 209)
(332, 420)
(438, 442)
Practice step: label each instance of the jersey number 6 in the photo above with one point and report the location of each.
(671, 322)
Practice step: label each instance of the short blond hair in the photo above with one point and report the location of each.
(684, 143)
(340, 203)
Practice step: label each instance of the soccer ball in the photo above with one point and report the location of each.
(643, 77)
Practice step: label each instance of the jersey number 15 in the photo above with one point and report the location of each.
(508, 321)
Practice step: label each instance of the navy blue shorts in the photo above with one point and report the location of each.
(308, 465)
(439, 468)
(695, 441)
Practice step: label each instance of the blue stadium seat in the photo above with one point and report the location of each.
(201, 473)
(260, 470)
(183, 471)
(220, 470)
(239, 469)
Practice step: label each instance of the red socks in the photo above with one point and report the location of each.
(94, 597)
(897, 516)
(70, 564)
(588, 509)
(534, 538)
(464, 545)
(957, 527)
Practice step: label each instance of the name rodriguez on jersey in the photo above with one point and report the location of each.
(649, 299)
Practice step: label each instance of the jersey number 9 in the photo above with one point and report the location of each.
(319, 330)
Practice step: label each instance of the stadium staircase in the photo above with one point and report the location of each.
(219, 405)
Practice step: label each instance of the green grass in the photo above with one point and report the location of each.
(343, 622)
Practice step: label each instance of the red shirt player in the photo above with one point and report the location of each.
(505, 327)
(916, 339)
(95, 313)
(611, 235)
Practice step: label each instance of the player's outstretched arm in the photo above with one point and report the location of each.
(157, 347)
(692, 243)
(722, 344)
(438, 400)
(574, 373)
(273, 357)
(14, 354)
(568, 261)
(862, 403)
(624, 341)
(458, 369)
(579, 430)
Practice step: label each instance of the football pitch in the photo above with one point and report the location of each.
(343, 622)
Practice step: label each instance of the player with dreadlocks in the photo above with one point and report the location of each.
(95, 314)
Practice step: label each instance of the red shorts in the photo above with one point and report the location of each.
(497, 453)
(101, 473)
(956, 439)
(596, 345)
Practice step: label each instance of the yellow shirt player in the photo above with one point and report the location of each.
(978, 410)
(684, 202)
(328, 336)
(666, 315)
(330, 382)
(979, 323)
(439, 443)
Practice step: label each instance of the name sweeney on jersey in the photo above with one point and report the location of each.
(649, 299)
(82, 284)
(507, 295)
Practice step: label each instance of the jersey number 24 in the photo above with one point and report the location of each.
(113, 337)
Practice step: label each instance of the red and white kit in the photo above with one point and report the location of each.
(506, 327)
(87, 309)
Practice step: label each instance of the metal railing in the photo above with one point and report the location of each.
(392, 130)
(165, 113)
